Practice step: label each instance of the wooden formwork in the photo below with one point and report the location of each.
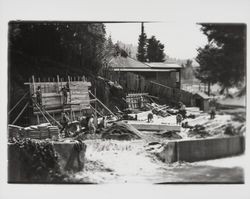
(52, 97)
(136, 100)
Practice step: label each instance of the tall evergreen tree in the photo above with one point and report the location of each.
(155, 50)
(141, 51)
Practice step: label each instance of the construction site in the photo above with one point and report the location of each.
(131, 122)
(138, 144)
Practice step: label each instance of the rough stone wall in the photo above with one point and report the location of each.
(66, 156)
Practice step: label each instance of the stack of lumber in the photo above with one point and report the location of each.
(31, 132)
(53, 131)
(161, 110)
(14, 130)
(42, 131)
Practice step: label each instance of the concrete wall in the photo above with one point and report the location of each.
(203, 149)
(64, 151)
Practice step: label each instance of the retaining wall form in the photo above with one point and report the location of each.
(203, 149)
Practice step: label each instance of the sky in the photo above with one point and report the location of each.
(181, 40)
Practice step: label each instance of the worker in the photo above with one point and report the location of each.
(64, 123)
(65, 95)
(212, 112)
(67, 87)
(150, 117)
(182, 110)
(102, 123)
(212, 105)
(39, 96)
(178, 119)
(140, 102)
(91, 125)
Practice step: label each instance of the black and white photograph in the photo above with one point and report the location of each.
(124, 99)
(90, 104)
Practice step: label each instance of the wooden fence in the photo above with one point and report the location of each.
(169, 94)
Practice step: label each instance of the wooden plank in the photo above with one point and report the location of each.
(80, 98)
(75, 83)
(79, 92)
(154, 127)
(48, 95)
(66, 109)
(33, 84)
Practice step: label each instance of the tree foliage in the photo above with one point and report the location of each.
(76, 46)
(155, 50)
(187, 72)
(142, 51)
(223, 59)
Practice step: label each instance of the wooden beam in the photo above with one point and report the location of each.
(103, 105)
(60, 110)
(43, 114)
(38, 119)
(96, 110)
(33, 83)
(26, 105)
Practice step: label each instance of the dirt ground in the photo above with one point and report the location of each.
(129, 162)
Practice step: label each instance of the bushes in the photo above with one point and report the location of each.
(38, 161)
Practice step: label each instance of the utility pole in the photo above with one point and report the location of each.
(142, 27)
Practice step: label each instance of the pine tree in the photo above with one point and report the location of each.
(141, 51)
(155, 50)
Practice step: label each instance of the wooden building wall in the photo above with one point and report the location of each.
(166, 78)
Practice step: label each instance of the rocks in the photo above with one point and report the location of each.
(198, 132)
(171, 135)
(230, 130)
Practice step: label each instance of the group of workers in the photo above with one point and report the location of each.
(90, 124)
(181, 115)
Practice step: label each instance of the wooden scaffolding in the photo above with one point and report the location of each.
(52, 104)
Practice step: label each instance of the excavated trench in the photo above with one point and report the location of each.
(113, 161)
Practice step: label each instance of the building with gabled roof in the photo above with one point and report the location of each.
(134, 75)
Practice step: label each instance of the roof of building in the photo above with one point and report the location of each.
(163, 65)
(202, 95)
(127, 64)
(143, 70)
